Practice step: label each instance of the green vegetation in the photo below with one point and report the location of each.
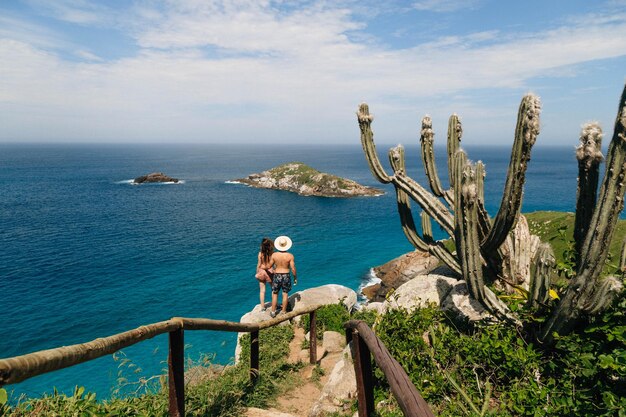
(329, 318)
(557, 228)
(305, 175)
(492, 371)
(225, 395)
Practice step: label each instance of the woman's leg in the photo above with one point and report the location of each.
(262, 294)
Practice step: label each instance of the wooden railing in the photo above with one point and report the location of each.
(364, 343)
(20, 368)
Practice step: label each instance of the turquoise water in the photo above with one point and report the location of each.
(86, 255)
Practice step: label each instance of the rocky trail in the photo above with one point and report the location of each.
(302, 398)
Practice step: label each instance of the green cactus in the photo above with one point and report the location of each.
(587, 293)
(484, 251)
(589, 157)
(543, 264)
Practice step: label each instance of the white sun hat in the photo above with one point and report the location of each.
(282, 243)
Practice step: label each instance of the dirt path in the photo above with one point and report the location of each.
(299, 400)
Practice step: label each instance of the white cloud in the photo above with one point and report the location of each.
(444, 6)
(273, 74)
(81, 12)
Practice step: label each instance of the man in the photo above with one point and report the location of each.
(284, 263)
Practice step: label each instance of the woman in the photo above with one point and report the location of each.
(264, 270)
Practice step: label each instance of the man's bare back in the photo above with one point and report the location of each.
(284, 262)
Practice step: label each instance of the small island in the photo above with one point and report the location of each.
(300, 178)
(154, 177)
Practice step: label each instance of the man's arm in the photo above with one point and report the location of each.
(292, 265)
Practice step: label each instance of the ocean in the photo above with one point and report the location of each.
(85, 254)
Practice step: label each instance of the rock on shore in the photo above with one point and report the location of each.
(399, 271)
(154, 177)
(304, 180)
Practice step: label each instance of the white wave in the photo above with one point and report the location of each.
(233, 182)
(369, 279)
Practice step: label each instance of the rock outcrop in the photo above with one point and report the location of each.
(304, 180)
(154, 177)
(399, 271)
(340, 389)
(325, 294)
(448, 293)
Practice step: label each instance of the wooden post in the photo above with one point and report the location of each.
(363, 371)
(254, 355)
(176, 365)
(312, 338)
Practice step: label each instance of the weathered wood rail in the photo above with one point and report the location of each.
(364, 343)
(20, 368)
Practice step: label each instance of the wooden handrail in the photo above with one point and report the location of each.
(20, 368)
(364, 342)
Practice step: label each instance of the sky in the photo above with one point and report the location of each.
(291, 71)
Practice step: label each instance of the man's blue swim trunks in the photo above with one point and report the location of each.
(281, 281)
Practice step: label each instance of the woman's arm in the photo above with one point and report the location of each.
(258, 263)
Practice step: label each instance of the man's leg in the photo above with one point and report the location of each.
(274, 301)
(285, 300)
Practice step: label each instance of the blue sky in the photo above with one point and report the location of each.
(292, 71)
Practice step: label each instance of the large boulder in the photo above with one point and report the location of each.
(399, 271)
(255, 316)
(333, 341)
(420, 292)
(450, 294)
(461, 307)
(326, 294)
(339, 390)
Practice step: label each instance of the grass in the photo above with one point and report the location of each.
(557, 228)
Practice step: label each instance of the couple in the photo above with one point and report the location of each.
(274, 268)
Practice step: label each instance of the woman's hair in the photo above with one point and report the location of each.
(267, 248)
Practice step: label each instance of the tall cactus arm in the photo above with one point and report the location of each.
(429, 203)
(455, 131)
(610, 202)
(542, 265)
(468, 247)
(367, 141)
(435, 248)
(466, 223)
(484, 221)
(526, 133)
(589, 156)
(427, 227)
(428, 156)
(579, 294)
